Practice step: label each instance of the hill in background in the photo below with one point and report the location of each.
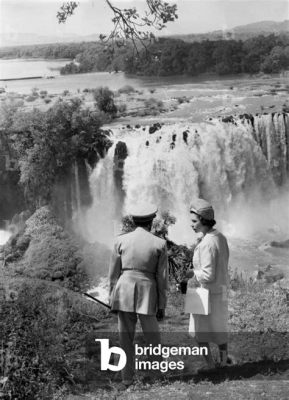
(242, 32)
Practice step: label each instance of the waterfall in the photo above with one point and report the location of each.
(4, 236)
(79, 194)
(76, 209)
(77, 187)
(103, 217)
(272, 134)
(238, 166)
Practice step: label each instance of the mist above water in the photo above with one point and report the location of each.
(4, 236)
(242, 171)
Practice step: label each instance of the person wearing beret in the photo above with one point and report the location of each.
(210, 270)
(138, 280)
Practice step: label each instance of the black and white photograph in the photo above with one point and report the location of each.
(144, 199)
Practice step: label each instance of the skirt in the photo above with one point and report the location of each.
(213, 327)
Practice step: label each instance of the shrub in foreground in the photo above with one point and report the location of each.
(42, 330)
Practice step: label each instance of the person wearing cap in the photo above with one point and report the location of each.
(210, 270)
(138, 280)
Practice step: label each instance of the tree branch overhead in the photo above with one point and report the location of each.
(129, 25)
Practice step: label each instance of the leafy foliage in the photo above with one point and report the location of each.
(167, 56)
(159, 227)
(180, 257)
(269, 54)
(41, 329)
(47, 143)
(61, 261)
(129, 23)
(104, 99)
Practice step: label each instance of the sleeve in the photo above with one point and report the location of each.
(208, 261)
(162, 278)
(114, 267)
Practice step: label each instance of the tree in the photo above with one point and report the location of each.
(48, 143)
(276, 60)
(104, 100)
(128, 23)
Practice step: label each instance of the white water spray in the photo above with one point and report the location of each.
(4, 236)
(229, 164)
(101, 220)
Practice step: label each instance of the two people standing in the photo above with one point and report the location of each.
(138, 279)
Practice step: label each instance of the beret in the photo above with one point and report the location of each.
(202, 208)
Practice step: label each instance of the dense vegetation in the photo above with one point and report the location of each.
(47, 143)
(174, 57)
(268, 54)
(49, 51)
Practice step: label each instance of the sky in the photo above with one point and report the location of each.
(94, 16)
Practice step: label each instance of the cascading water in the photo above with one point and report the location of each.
(101, 219)
(4, 236)
(238, 166)
(77, 214)
(76, 188)
(272, 132)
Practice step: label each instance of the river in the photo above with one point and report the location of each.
(208, 96)
(28, 68)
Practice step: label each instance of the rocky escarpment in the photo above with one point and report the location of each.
(11, 195)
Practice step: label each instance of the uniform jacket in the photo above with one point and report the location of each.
(210, 261)
(138, 273)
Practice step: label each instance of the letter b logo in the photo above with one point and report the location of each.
(106, 353)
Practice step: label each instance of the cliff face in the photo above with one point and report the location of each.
(11, 195)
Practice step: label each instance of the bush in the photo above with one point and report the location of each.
(70, 68)
(31, 98)
(142, 113)
(34, 92)
(60, 259)
(47, 252)
(154, 106)
(104, 99)
(183, 99)
(18, 103)
(122, 108)
(42, 330)
(126, 89)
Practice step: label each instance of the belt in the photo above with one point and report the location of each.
(138, 270)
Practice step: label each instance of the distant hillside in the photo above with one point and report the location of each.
(263, 27)
(242, 32)
(27, 39)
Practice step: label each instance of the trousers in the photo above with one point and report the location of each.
(126, 327)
